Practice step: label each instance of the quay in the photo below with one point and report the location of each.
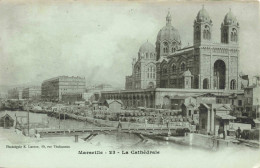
(100, 129)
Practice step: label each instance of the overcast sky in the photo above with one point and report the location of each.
(98, 40)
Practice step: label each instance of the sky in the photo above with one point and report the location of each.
(98, 40)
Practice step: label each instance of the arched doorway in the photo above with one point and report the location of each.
(219, 74)
(205, 83)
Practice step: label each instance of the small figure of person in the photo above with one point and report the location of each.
(238, 132)
(167, 123)
(119, 124)
(162, 122)
(197, 128)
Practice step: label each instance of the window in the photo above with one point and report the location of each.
(165, 47)
(174, 68)
(183, 67)
(173, 49)
(151, 72)
(165, 69)
(239, 102)
(232, 101)
(137, 71)
(233, 84)
(189, 112)
(234, 35)
(206, 33)
(146, 55)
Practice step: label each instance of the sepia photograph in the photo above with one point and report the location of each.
(107, 84)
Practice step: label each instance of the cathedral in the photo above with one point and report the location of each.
(204, 65)
(166, 73)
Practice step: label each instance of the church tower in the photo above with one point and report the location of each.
(202, 28)
(168, 39)
(230, 29)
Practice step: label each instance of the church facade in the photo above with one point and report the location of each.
(166, 70)
(205, 65)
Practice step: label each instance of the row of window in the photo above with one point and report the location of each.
(206, 33)
(239, 102)
(206, 84)
(174, 68)
(151, 75)
(233, 36)
(147, 55)
(150, 72)
(167, 49)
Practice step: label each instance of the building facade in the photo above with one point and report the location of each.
(143, 69)
(164, 97)
(206, 64)
(54, 88)
(32, 93)
(15, 93)
(167, 70)
(72, 97)
(252, 101)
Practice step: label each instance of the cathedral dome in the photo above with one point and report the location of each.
(230, 18)
(168, 32)
(147, 47)
(203, 16)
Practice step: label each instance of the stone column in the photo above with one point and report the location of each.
(208, 120)
(213, 121)
(200, 83)
(148, 101)
(145, 103)
(151, 103)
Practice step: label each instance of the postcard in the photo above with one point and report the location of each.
(107, 84)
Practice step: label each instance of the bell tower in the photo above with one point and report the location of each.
(230, 29)
(202, 28)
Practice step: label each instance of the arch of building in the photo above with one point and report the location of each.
(166, 101)
(131, 99)
(206, 83)
(219, 74)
